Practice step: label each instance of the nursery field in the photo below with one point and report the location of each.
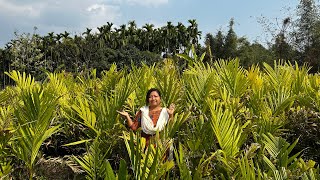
(230, 123)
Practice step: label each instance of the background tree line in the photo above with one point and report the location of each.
(296, 39)
(123, 45)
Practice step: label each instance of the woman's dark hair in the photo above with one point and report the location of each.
(149, 92)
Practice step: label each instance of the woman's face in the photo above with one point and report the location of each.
(154, 99)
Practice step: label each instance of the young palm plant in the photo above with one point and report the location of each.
(228, 132)
(248, 168)
(34, 116)
(147, 162)
(201, 170)
(279, 161)
(232, 76)
(168, 82)
(199, 82)
(106, 105)
(6, 133)
(96, 164)
(144, 80)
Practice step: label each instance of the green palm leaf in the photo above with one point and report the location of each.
(232, 76)
(279, 160)
(147, 162)
(106, 106)
(95, 162)
(34, 116)
(168, 82)
(199, 82)
(23, 81)
(226, 129)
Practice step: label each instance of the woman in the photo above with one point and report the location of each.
(152, 117)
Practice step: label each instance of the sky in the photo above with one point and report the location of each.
(74, 16)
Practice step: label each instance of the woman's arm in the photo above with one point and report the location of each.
(127, 116)
(134, 125)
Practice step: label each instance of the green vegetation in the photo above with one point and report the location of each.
(230, 123)
(239, 115)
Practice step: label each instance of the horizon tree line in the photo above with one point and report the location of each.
(297, 39)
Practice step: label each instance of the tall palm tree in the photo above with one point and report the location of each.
(122, 35)
(193, 31)
(169, 36)
(87, 32)
(105, 34)
(181, 37)
(132, 30)
(148, 35)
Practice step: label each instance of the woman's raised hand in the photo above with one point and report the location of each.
(127, 116)
(171, 109)
(123, 113)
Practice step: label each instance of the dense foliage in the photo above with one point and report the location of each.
(240, 114)
(230, 123)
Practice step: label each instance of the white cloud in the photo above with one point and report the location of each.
(73, 16)
(149, 2)
(57, 16)
(153, 3)
(14, 9)
(99, 14)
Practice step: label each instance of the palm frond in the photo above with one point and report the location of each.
(181, 163)
(22, 80)
(174, 124)
(34, 117)
(248, 171)
(147, 162)
(232, 76)
(279, 101)
(199, 82)
(95, 162)
(168, 83)
(226, 129)
(192, 58)
(279, 154)
(85, 113)
(280, 76)
(106, 106)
